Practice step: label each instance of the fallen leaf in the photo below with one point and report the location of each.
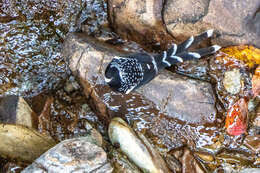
(236, 120)
(229, 61)
(248, 54)
(256, 82)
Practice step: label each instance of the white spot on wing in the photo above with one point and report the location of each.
(130, 89)
(189, 42)
(194, 54)
(164, 59)
(148, 66)
(154, 64)
(174, 49)
(178, 58)
(216, 47)
(210, 32)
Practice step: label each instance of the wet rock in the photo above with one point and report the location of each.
(120, 162)
(237, 161)
(256, 121)
(141, 153)
(67, 115)
(10, 167)
(253, 143)
(71, 85)
(241, 24)
(140, 21)
(173, 164)
(183, 98)
(232, 81)
(197, 69)
(22, 143)
(190, 164)
(205, 156)
(231, 78)
(159, 114)
(15, 110)
(72, 155)
(178, 96)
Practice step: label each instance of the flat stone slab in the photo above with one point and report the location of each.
(175, 95)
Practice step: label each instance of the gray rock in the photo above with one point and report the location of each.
(241, 24)
(180, 97)
(72, 155)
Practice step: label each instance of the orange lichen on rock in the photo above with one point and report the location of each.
(246, 53)
(237, 117)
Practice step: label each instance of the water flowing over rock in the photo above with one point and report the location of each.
(31, 34)
(72, 155)
(163, 120)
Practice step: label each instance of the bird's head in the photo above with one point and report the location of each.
(112, 76)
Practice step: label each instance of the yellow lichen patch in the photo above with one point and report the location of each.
(248, 54)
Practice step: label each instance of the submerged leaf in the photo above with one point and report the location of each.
(248, 54)
(237, 115)
(256, 82)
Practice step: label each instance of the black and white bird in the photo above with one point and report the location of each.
(126, 73)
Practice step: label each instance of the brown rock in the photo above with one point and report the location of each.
(15, 110)
(256, 121)
(120, 162)
(183, 98)
(173, 163)
(231, 78)
(253, 143)
(21, 143)
(190, 164)
(88, 58)
(72, 155)
(235, 22)
(179, 97)
(140, 21)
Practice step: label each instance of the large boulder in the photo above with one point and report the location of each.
(235, 22)
(140, 21)
(148, 22)
(164, 116)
